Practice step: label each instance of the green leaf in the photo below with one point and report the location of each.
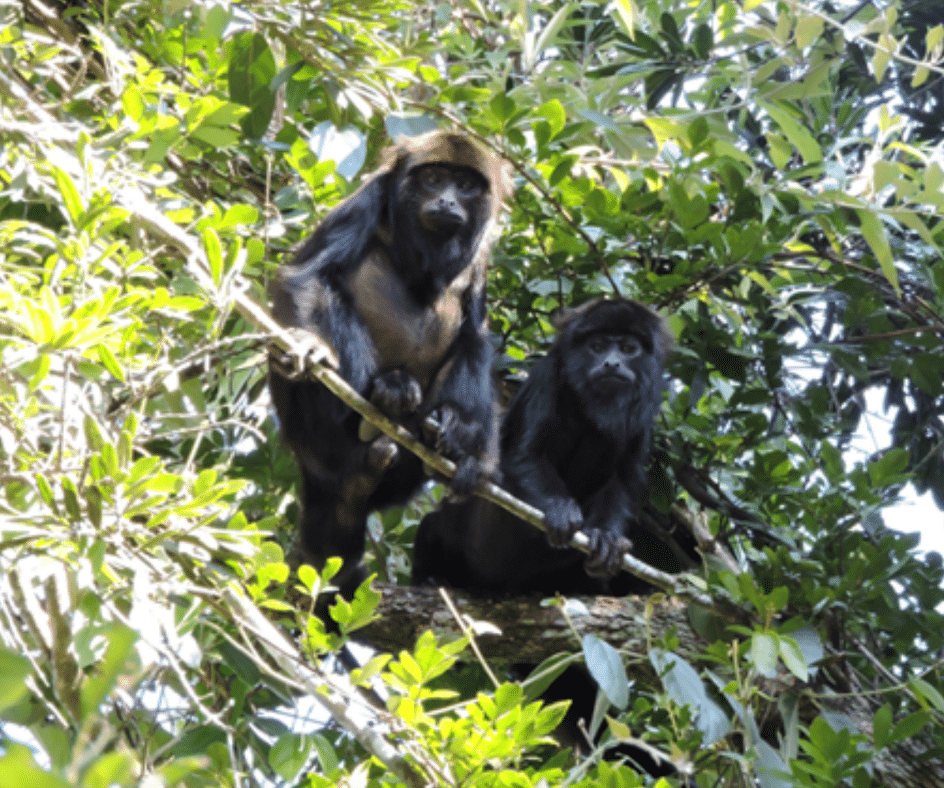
(764, 652)
(110, 362)
(13, 672)
(241, 663)
(703, 41)
(808, 29)
(502, 106)
(881, 726)
(214, 253)
(799, 136)
(93, 504)
(626, 15)
(290, 754)
(772, 772)
(70, 195)
(684, 686)
(197, 740)
(606, 667)
(251, 73)
(555, 114)
(927, 693)
(19, 769)
(548, 35)
(909, 727)
(215, 136)
(889, 468)
(874, 233)
(793, 657)
(327, 757)
(809, 643)
(114, 768)
(698, 131)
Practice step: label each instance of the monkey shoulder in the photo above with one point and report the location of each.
(406, 333)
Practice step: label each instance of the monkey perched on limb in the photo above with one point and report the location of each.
(394, 280)
(574, 443)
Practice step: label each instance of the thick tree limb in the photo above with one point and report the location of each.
(530, 632)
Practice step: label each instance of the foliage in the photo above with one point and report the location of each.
(768, 174)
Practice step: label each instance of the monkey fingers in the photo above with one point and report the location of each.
(454, 437)
(397, 393)
(359, 486)
(462, 442)
(562, 519)
(382, 452)
(307, 350)
(606, 553)
(468, 475)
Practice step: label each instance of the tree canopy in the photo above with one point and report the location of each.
(768, 174)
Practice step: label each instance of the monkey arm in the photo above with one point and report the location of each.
(534, 437)
(305, 297)
(462, 401)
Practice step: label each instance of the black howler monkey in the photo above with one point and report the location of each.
(574, 443)
(393, 279)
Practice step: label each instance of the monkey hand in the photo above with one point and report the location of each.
(562, 519)
(397, 393)
(307, 350)
(462, 442)
(606, 553)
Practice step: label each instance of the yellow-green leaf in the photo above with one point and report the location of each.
(875, 236)
(214, 253)
(799, 136)
(808, 29)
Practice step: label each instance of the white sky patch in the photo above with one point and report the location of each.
(915, 512)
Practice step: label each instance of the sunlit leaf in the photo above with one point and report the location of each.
(606, 667)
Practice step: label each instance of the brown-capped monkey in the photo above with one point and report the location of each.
(393, 279)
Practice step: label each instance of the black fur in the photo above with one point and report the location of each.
(574, 443)
(394, 280)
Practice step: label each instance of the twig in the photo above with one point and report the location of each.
(468, 631)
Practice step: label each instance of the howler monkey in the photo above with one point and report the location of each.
(393, 279)
(574, 443)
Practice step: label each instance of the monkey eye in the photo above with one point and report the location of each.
(432, 176)
(468, 186)
(631, 347)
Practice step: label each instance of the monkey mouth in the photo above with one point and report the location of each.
(441, 222)
(611, 383)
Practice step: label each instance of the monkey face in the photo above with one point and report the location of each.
(446, 196)
(609, 363)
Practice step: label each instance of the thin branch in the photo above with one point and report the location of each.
(469, 632)
(322, 688)
(860, 38)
